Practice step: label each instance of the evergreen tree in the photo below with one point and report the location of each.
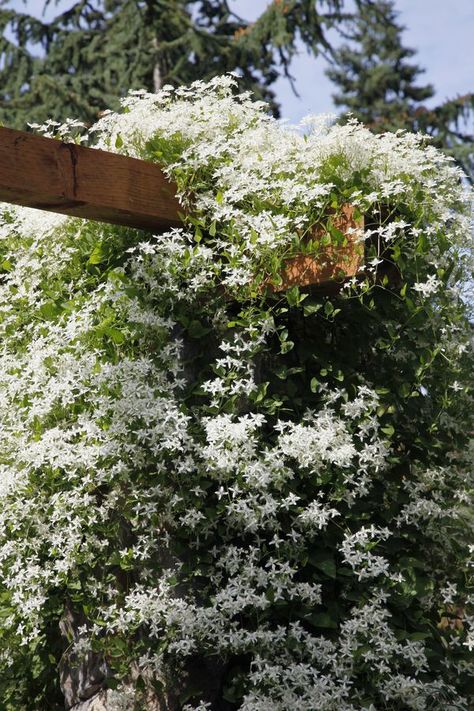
(94, 52)
(378, 84)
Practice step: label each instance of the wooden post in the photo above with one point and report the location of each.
(85, 182)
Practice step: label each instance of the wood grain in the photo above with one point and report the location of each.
(62, 177)
(334, 263)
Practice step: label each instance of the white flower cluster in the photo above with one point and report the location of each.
(150, 468)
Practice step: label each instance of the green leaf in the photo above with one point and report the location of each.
(328, 308)
(114, 334)
(339, 237)
(324, 561)
(99, 254)
(118, 141)
(418, 636)
(261, 392)
(292, 296)
(314, 384)
(322, 619)
(286, 346)
(311, 308)
(49, 310)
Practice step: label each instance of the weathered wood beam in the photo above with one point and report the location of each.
(334, 264)
(62, 177)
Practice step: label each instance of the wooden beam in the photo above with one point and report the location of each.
(85, 182)
(334, 264)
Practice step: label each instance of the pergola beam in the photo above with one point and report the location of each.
(84, 182)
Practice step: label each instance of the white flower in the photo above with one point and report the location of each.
(428, 287)
(316, 515)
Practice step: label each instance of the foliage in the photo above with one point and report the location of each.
(275, 484)
(90, 55)
(378, 85)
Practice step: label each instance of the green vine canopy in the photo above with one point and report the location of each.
(250, 497)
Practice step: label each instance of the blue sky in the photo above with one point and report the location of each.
(442, 32)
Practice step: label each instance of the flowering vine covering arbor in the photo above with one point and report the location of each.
(218, 494)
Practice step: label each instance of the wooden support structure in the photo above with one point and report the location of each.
(47, 174)
(84, 182)
(335, 263)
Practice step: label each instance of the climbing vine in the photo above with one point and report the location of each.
(246, 497)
